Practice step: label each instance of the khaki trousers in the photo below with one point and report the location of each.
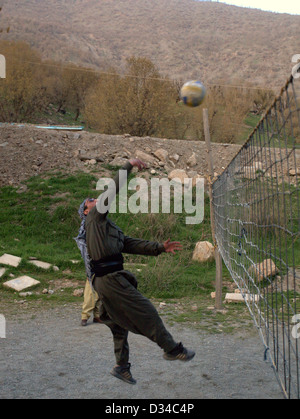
(91, 303)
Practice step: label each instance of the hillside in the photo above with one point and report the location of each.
(184, 38)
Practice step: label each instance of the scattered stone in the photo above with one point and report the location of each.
(192, 161)
(10, 260)
(174, 158)
(293, 172)
(78, 293)
(45, 291)
(263, 270)
(4, 144)
(161, 154)
(204, 252)
(21, 283)
(2, 272)
(153, 172)
(92, 162)
(55, 268)
(238, 298)
(40, 264)
(25, 294)
(144, 157)
(118, 161)
(178, 174)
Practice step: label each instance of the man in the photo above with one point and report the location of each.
(123, 307)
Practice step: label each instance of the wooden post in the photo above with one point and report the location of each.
(218, 258)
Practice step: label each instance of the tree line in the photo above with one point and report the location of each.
(140, 102)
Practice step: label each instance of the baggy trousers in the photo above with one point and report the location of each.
(91, 303)
(125, 309)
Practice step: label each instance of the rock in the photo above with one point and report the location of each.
(2, 272)
(204, 252)
(161, 154)
(21, 283)
(265, 269)
(144, 157)
(25, 294)
(153, 172)
(10, 260)
(178, 174)
(294, 172)
(40, 264)
(174, 158)
(238, 298)
(192, 161)
(78, 293)
(4, 144)
(55, 268)
(118, 161)
(92, 162)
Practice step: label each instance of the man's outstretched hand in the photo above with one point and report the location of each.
(137, 163)
(170, 247)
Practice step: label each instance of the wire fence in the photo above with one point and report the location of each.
(256, 209)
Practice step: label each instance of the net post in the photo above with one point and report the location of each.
(218, 258)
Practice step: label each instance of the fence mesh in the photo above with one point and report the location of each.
(256, 210)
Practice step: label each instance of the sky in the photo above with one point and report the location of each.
(278, 6)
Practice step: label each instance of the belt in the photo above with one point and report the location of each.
(108, 265)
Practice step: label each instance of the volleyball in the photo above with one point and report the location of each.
(192, 93)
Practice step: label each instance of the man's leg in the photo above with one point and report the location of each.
(88, 303)
(132, 311)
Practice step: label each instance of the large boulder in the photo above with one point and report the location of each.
(204, 252)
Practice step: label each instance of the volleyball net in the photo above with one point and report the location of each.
(256, 210)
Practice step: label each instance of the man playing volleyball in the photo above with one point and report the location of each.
(123, 307)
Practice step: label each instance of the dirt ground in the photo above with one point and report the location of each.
(27, 151)
(49, 355)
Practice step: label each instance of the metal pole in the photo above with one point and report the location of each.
(218, 258)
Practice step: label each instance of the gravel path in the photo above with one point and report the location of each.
(52, 356)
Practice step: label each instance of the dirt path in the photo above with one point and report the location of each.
(50, 355)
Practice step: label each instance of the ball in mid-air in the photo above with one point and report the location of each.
(193, 93)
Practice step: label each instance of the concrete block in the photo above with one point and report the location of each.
(21, 283)
(238, 298)
(10, 260)
(40, 264)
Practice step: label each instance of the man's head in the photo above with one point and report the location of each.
(86, 207)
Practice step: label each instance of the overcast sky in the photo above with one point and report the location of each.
(279, 6)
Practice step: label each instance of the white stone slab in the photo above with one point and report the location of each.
(238, 298)
(40, 264)
(10, 260)
(21, 283)
(2, 272)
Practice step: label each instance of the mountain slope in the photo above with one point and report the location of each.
(184, 38)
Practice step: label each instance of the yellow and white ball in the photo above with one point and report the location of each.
(193, 93)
